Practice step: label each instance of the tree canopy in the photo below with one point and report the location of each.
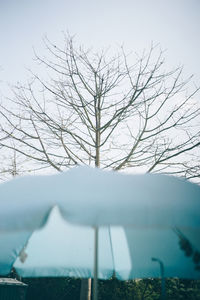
(111, 111)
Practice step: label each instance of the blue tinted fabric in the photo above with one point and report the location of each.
(94, 197)
(148, 207)
(162, 244)
(62, 249)
(11, 245)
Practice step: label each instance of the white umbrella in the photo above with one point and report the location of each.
(94, 197)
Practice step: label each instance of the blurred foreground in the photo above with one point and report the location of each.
(146, 289)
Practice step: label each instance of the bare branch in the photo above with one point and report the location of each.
(108, 111)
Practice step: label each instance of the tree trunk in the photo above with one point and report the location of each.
(87, 283)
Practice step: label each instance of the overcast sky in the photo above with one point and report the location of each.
(172, 23)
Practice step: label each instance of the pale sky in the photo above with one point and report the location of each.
(172, 23)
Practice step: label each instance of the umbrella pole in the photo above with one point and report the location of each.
(95, 283)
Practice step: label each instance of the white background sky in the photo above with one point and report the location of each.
(175, 24)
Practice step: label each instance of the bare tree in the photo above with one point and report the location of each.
(105, 111)
(91, 108)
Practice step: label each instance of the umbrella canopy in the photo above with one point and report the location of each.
(11, 244)
(94, 197)
(155, 210)
(63, 249)
(151, 207)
